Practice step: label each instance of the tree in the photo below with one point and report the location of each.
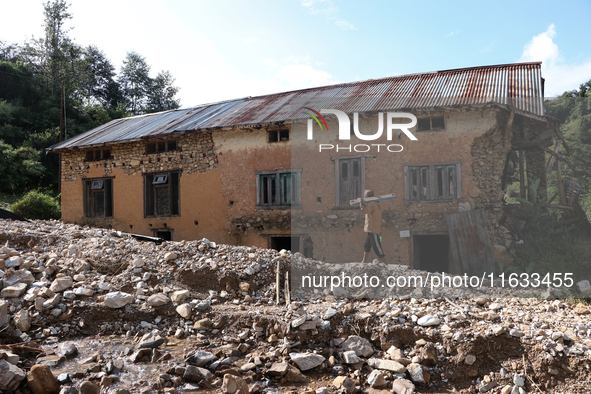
(162, 92)
(57, 42)
(135, 82)
(99, 80)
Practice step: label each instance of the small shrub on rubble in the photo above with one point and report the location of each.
(37, 205)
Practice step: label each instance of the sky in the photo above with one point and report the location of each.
(220, 50)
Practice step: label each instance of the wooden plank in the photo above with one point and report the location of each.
(562, 159)
(277, 281)
(560, 184)
(370, 199)
(559, 135)
(286, 290)
(470, 245)
(552, 158)
(546, 205)
(509, 125)
(521, 174)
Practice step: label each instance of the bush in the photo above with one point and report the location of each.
(37, 205)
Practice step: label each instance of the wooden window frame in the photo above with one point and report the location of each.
(277, 133)
(277, 173)
(337, 178)
(433, 182)
(97, 155)
(90, 189)
(431, 123)
(150, 188)
(166, 148)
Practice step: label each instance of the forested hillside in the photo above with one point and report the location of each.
(53, 81)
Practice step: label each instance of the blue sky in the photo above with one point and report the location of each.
(221, 50)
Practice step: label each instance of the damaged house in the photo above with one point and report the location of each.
(261, 171)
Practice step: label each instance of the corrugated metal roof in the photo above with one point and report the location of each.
(518, 85)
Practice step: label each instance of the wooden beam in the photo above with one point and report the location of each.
(546, 205)
(552, 158)
(562, 159)
(559, 135)
(509, 126)
(560, 184)
(528, 145)
(521, 174)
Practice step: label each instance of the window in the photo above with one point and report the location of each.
(433, 182)
(278, 189)
(431, 123)
(98, 154)
(161, 146)
(350, 180)
(165, 234)
(161, 197)
(278, 135)
(98, 198)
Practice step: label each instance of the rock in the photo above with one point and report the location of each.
(298, 322)
(151, 340)
(138, 262)
(359, 345)
(13, 261)
(469, 359)
(195, 374)
(331, 312)
(180, 296)
(294, 375)
(518, 380)
(184, 310)
(13, 291)
(350, 357)
(278, 369)
(244, 286)
(158, 299)
(203, 305)
(170, 256)
(346, 383)
(68, 390)
(83, 292)
(10, 376)
(22, 321)
(41, 380)
(203, 324)
(20, 276)
(144, 354)
(487, 386)
(306, 361)
(51, 361)
(376, 379)
(68, 350)
(417, 373)
(4, 319)
(388, 365)
(584, 287)
(9, 356)
(61, 284)
(201, 358)
(403, 386)
(234, 385)
(117, 299)
(88, 387)
(429, 320)
(429, 354)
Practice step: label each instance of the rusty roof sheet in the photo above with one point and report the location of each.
(517, 85)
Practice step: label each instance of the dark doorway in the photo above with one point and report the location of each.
(164, 234)
(431, 252)
(286, 242)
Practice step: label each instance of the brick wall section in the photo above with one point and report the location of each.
(196, 154)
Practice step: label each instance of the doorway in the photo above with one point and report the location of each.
(287, 242)
(431, 252)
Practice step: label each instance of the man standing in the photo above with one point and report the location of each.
(373, 227)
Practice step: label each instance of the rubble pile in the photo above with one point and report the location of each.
(86, 310)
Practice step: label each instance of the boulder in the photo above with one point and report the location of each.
(13, 291)
(306, 361)
(388, 365)
(376, 379)
(41, 380)
(88, 387)
(117, 299)
(359, 345)
(234, 385)
(61, 284)
(22, 321)
(10, 376)
(184, 310)
(158, 299)
(4, 319)
(180, 296)
(19, 276)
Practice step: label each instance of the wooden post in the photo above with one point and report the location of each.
(277, 282)
(509, 125)
(286, 290)
(521, 174)
(560, 184)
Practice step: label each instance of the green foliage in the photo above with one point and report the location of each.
(20, 168)
(37, 205)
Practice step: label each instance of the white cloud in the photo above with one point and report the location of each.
(453, 33)
(304, 76)
(270, 62)
(329, 10)
(560, 75)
